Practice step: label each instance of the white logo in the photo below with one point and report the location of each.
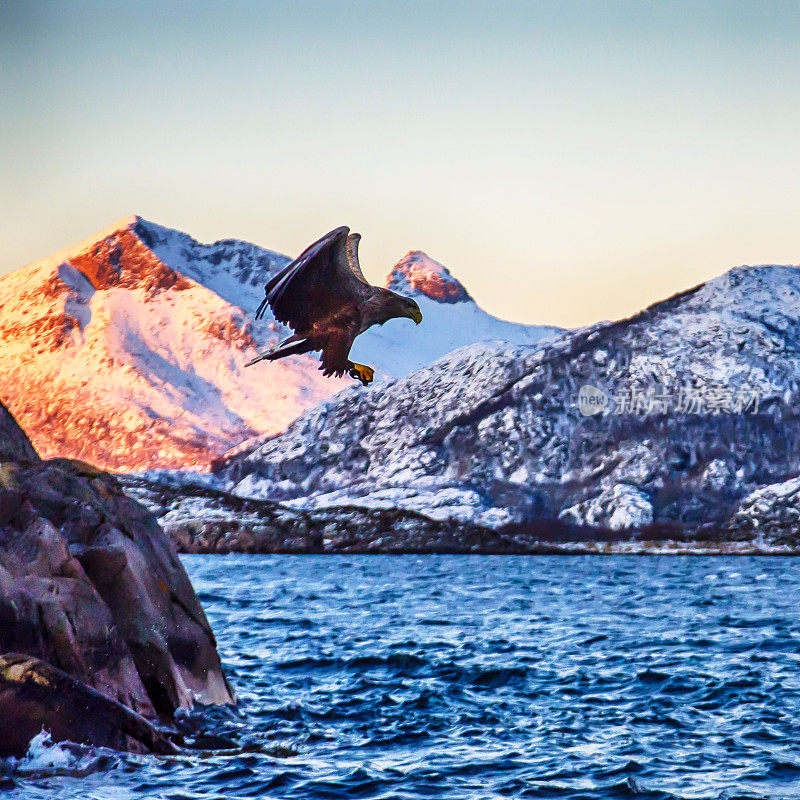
(591, 400)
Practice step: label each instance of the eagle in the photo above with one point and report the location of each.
(325, 299)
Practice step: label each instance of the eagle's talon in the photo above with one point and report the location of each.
(362, 373)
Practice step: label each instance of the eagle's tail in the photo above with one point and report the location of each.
(292, 346)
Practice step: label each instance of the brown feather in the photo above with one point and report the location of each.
(317, 285)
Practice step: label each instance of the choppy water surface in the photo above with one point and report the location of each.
(484, 677)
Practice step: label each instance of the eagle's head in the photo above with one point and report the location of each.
(410, 309)
(398, 305)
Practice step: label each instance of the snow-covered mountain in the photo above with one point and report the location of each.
(128, 349)
(696, 406)
(451, 319)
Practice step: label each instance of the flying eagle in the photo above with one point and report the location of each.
(325, 299)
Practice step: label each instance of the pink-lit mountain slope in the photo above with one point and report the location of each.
(128, 349)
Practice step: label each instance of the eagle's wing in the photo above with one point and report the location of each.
(352, 256)
(318, 284)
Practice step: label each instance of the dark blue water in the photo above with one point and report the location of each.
(486, 677)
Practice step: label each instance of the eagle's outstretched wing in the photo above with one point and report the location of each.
(323, 280)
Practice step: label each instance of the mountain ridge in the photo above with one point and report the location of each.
(493, 435)
(128, 348)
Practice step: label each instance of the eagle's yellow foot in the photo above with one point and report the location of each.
(362, 373)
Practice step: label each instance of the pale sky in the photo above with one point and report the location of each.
(569, 161)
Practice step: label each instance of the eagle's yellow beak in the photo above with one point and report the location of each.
(416, 315)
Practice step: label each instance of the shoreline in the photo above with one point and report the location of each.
(200, 520)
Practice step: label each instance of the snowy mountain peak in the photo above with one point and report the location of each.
(236, 270)
(418, 274)
(128, 349)
(121, 260)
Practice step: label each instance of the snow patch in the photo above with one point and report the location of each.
(620, 507)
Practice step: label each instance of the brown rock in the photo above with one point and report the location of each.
(14, 444)
(90, 585)
(35, 695)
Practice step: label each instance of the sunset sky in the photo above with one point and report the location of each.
(569, 162)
